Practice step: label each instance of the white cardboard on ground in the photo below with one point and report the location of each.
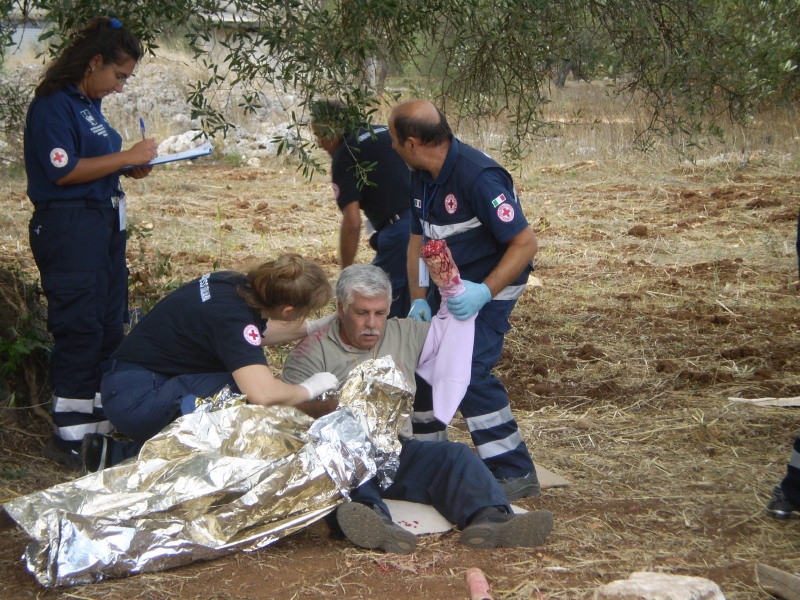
(420, 519)
(769, 401)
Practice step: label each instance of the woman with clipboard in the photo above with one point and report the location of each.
(73, 160)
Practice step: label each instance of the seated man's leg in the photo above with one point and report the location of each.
(447, 475)
(455, 481)
(367, 522)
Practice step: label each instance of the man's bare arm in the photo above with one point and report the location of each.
(521, 250)
(349, 234)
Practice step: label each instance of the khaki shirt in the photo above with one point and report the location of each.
(403, 340)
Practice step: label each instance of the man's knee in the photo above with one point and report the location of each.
(457, 452)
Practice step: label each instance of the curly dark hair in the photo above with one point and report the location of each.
(104, 36)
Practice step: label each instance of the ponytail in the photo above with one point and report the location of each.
(289, 280)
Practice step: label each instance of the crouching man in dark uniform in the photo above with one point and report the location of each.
(367, 175)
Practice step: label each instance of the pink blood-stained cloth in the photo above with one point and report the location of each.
(446, 359)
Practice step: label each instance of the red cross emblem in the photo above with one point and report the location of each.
(505, 212)
(450, 204)
(252, 335)
(58, 157)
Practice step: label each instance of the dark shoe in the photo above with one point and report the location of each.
(371, 528)
(64, 453)
(491, 528)
(521, 487)
(96, 452)
(780, 508)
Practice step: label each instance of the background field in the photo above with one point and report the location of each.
(663, 287)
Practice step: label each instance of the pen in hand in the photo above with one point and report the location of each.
(141, 126)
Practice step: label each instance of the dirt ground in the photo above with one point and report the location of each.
(659, 294)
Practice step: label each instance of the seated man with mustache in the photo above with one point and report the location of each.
(447, 475)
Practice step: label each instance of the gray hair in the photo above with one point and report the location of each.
(367, 280)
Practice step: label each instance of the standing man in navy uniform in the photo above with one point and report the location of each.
(463, 196)
(368, 175)
(73, 159)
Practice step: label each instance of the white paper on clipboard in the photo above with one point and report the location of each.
(202, 150)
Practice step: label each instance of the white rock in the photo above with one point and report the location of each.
(660, 586)
(180, 143)
(534, 282)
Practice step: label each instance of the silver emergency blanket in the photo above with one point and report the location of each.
(216, 482)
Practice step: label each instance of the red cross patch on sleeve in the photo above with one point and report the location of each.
(252, 335)
(505, 212)
(58, 157)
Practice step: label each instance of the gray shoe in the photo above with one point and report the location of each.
(780, 508)
(492, 528)
(521, 487)
(371, 528)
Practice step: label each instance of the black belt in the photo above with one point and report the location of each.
(110, 203)
(392, 220)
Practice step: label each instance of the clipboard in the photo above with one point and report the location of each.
(202, 150)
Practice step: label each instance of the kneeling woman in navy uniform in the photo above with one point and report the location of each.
(203, 336)
(73, 159)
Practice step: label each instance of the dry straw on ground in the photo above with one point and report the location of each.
(665, 288)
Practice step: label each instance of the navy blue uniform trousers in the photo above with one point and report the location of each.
(447, 475)
(80, 253)
(791, 481)
(485, 406)
(140, 403)
(391, 245)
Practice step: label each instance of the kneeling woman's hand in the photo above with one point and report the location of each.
(260, 386)
(319, 383)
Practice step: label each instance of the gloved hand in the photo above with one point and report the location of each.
(420, 310)
(475, 295)
(319, 383)
(317, 324)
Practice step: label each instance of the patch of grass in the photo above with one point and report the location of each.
(8, 472)
(234, 159)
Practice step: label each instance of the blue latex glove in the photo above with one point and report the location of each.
(420, 311)
(469, 302)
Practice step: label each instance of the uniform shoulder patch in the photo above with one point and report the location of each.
(505, 212)
(58, 157)
(252, 335)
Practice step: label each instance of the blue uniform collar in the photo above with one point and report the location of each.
(73, 90)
